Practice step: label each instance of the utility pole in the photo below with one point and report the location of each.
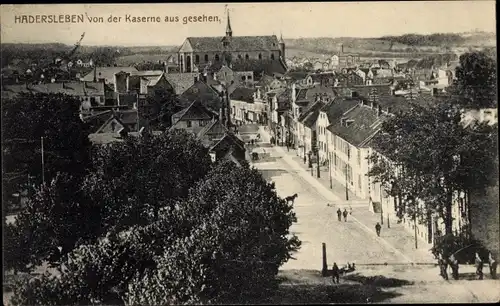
(415, 225)
(317, 162)
(43, 164)
(381, 207)
(329, 162)
(346, 188)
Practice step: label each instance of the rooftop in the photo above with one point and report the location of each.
(237, 43)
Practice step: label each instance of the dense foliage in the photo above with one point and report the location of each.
(27, 118)
(154, 223)
(429, 156)
(476, 84)
(438, 39)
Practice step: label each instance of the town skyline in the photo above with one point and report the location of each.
(445, 17)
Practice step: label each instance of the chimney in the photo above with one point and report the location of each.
(95, 74)
(342, 48)
(379, 110)
(85, 84)
(63, 85)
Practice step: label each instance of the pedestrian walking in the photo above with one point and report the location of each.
(454, 266)
(479, 266)
(345, 215)
(350, 210)
(335, 274)
(493, 266)
(378, 227)
(339, 214)
(443, 266)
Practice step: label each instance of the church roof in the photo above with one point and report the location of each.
(237, 43)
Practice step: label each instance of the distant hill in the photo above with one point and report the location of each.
(393, 45)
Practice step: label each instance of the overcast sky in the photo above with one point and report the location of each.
(362, 19)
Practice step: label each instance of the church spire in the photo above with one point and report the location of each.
(229, 32)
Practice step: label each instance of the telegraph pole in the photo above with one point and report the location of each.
(43, 164)
(346, 188)
(381, 207)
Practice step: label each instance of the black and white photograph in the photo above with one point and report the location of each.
(250, 153)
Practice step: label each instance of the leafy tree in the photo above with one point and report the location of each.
(55, 117)
(476, 83)
(129, 184)
(223, 242)
(238, 239)
(432, 157)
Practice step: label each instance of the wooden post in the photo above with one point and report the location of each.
(324, 270)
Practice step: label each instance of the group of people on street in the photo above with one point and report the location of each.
(452, 262)
(343, 213)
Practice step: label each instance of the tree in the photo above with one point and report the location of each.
(55, 117)
(237, 236)
(476, 81)
(432, 157)
(130, 183)
(225, 241)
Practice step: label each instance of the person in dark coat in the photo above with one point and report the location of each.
(479, 266)
(493, 266)
(339, 214)
(378, 227)
(443, 266)
(345, 213)
(335, 273)
(454, 266)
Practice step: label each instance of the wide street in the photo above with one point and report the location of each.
(353, 241)
(317, 223)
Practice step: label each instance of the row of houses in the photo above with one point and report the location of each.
(314, 113)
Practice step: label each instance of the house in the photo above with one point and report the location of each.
(196, 50)
(350, 137)
(306, 129)
(193, 118)
(129, 120)
(182, 81)
(248, 106)
(106, 73)
(222, 143)
(90, 93)
(208, 96)
(328, 115)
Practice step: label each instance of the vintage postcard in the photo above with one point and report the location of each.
(244, 153)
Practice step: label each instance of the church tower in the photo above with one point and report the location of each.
(281, 43)
(229, 32)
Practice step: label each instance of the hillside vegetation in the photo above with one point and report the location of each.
(414, 44)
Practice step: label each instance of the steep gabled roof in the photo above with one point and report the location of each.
(237, 43)
(242, 94)
(68, 88)
(195, 111)
(310, 115)
(203, 92)
(362, 125)
(336, 108)
(181, 81)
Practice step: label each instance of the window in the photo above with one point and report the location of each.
(243, 78)
(359, 157)
(217, 57)
(202, 123)
(239, 56)
(260, 56)
(249, 77)
(188, 123)
(197, 59)
(246, 56)
(272, 56)
(359, 182)
(206, 57)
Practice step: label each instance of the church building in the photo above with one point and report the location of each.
(200, 51)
